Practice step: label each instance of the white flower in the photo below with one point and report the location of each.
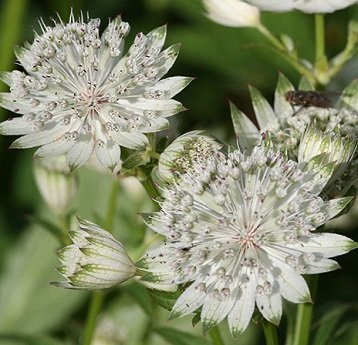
(188, 151)
(56, 183)
(308, 6)
(287, 122)
(95, 260)
(233, 13)
(81, 96)
(244, 237)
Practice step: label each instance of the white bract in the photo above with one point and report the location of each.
(233, 13)
(95, 260)
(188, 151)
(308, 6)
(80, 95)
(55, 182)
(242, 235)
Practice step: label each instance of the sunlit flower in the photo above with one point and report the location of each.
(308, 6)
(186, 153)
(233, 13)
(56, 183)
(80, 95)
(95, 260)
(243, 235)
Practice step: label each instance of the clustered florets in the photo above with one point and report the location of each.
(80, 95)
(241, 233)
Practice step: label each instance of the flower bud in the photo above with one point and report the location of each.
(233, 13)
(185, 154)
(55, 182)
(336, 148)
(95, 260)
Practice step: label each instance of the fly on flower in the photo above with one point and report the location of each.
(80, 95)
(307, 98)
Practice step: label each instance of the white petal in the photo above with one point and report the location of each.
(265, 115)
(270, 306)
(133, 140)
(292, 285)
(15, 126)
(333, 207)
(166, 60)
(157, 37)
(22, 106)
(215, 310)
(53, 149)
(282, 107)
(190, 300)
(81, 151)
(156, 125)
(171, 86)
(321, 266)
(39, 138)
(109, 155)
(241, 313)
(326, 244)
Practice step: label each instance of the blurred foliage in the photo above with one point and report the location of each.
(224, 61)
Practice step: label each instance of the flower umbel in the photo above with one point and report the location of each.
(81, 96)
(186, 154)
(95, 260)
(244, 236)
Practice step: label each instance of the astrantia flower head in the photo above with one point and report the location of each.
(186, 154)
(95, 260)
(244, 236)
(287, 122)
(81, 96)
(308, 6)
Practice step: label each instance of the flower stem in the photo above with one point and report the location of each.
(95, 306)
(321, 64)
(215, 336)
(270, 331)
(97, 297)
(150, 187)
(304, 315)
(289, 56)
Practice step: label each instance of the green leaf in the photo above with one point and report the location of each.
(265, 115)
(247, 133)
(16, 339)
(328, 325)
(141, 296)
(176, 337)
(26, 297)
(165, 299)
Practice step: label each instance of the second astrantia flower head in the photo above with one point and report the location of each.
(80, 95)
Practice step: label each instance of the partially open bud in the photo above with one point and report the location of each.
(185, 154)
(315, 142)
(95, 260)
(55, 182)
(233, 13)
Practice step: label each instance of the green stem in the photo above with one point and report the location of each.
(304, 315)
(111, 208)
(270, 331)
(215, 336)
(150, 187)
(321, 64)
(95, 306)
(287, 55)
(97, 297)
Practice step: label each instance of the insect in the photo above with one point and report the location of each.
(307, 99)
